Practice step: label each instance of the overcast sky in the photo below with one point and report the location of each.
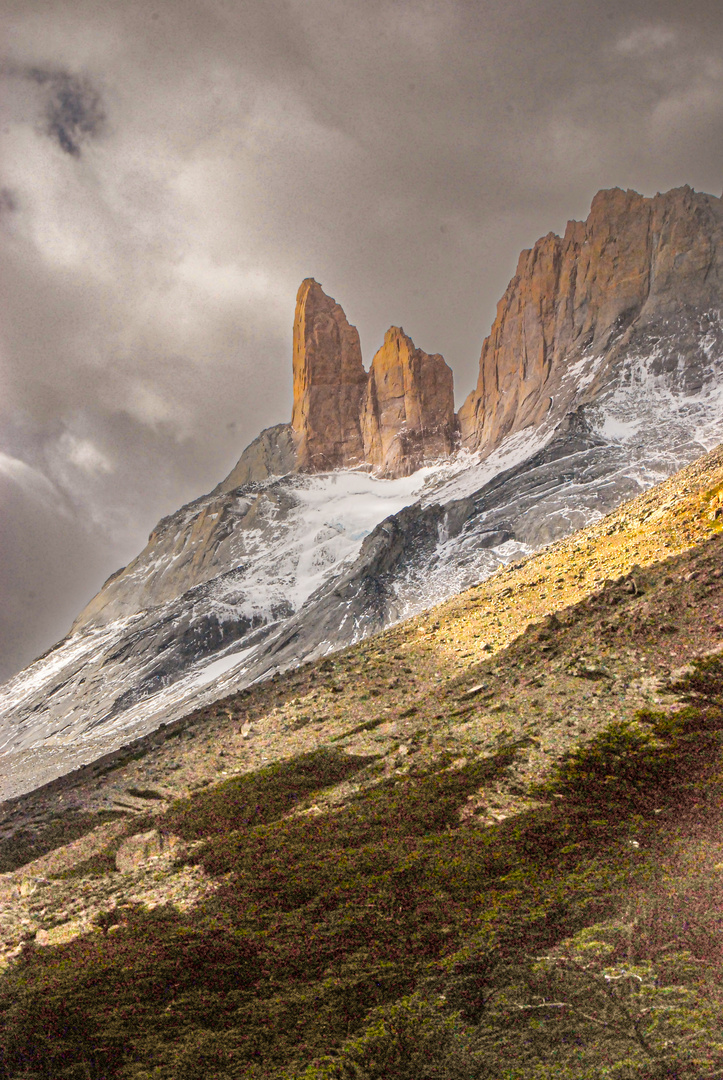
(171, 171)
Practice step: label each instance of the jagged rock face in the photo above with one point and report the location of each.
(272, 453)
(603, 289)
(329, 379)
(601, 293)
(215, 536)
(407, 415)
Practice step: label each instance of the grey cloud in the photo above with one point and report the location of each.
(8, 201)
(70, 106)
(36, 573)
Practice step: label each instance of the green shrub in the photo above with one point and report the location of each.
(586, 992)
(25, 845)
(84, 1004)
(262, 796)
(704, 685)
(98, 865)
(412, 1039)
(368, 725)
(202, 1055)
(626, 764)
(385, 933)
(144, 793)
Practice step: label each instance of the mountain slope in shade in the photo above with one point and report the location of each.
(577, 409)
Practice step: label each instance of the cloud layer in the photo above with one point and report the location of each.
(170, 172)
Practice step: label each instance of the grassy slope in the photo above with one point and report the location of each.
(426, 865)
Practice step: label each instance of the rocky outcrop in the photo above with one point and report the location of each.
(392, 420)
(407, 416)
(329, 380)
(576, 308)
(608, 284)
(577, 305)
(272, 453)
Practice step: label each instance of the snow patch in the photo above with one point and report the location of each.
(218, 667)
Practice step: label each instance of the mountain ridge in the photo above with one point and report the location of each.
(337, 402)
(665, 521)
(282, 562)
(604, 285)
(599, 286)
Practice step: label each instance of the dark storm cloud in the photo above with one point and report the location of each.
(70, 105)
(74, 111)
(176, 169)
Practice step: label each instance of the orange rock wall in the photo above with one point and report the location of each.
(407, 414)
(329, 380)
(633, 262)
(580, 292)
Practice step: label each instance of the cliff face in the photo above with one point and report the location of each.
(604, 291)
(408, 407)
(604, 285)
(329, 379)
(393, 420)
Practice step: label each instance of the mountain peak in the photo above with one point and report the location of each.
(588, 298)
(393, 419)
(408, 409)
(329, 379)
(604, 365)
(597, 294)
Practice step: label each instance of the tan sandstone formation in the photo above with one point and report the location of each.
(408, 408)
(329, 380)
(591, 292)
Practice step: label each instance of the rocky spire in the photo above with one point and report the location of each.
(329, 380)
(578, 306)
(407, 414)
(392, 420)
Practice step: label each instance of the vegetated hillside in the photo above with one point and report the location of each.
(484, 843)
